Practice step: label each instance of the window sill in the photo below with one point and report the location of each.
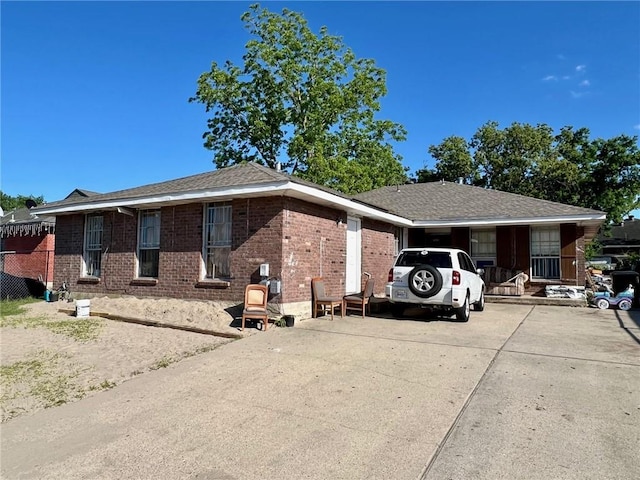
(212, 284)
(89, 280)
(144, 282)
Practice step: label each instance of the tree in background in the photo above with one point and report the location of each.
(10, 203)
(568, 168)
(303, 100)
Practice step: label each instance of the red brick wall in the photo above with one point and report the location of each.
(313, 245)
(256, 234)
(33, 258)
(298, 240)
(378, 247)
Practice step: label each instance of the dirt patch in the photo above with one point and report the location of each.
(49, 358)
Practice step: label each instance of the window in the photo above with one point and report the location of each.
(148, 243)
(217, 240)
(483, 246)
(466, 263)
(545, 252)
(93, 245)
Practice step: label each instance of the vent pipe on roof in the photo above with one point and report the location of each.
(461, 180)
(278, 167)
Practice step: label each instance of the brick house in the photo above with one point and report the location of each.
(27, 244)
(206, 236)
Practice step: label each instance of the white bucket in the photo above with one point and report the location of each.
(83, 308)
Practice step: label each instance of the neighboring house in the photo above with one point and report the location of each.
(621, 239)
(27, 244)
(206, 236)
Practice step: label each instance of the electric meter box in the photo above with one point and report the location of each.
(274, 286)
(264, 269)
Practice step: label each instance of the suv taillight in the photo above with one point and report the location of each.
(390, 277)
(455, 278)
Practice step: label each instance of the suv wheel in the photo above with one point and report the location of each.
(479, 305)
(462, 313)
(425, 281)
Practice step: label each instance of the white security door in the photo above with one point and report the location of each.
(354, 255)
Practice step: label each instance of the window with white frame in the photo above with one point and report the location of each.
(483, 246)
(545, 252)
(92, 255)
(217, 240)
(148, 243)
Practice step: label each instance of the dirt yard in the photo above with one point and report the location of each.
(49, 358)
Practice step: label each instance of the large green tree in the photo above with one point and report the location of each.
(303, 100)
(10, 203)
(530, 160)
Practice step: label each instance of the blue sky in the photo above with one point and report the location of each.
(94, 94)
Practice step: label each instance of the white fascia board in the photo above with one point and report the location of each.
(173, 198)
(267, 189)
(354, 207)
(579, 219)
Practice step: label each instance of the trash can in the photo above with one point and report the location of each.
(620, 281)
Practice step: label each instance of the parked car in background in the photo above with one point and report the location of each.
(441, 279)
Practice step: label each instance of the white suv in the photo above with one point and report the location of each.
(436, 278)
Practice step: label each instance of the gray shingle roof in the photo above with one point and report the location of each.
(234, 176)
(453, 201)
(626, 233)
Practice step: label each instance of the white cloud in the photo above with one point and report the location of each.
(581, 68)
(566, 77)
(637, 127)
(550, 78)
(577, 94)
(585, 83)
(560, 56)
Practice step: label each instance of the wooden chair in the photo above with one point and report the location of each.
(255, 304)
(322, 300)
(359, 301)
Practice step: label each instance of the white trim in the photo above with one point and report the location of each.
(264, 189)
(304, 192)
(579, 219)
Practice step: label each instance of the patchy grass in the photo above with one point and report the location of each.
(81, 330)
(165, 361)
(42, 378)
(14, 307)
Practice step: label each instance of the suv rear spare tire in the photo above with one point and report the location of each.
(425, 281)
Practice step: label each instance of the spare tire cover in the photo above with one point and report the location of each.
(425, 281)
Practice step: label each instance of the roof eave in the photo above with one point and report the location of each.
(583, 219)
(284, 188)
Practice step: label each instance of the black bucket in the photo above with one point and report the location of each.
(289, 320)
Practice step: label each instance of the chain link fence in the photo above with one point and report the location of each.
(25, 274)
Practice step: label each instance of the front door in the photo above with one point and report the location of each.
(354, 256)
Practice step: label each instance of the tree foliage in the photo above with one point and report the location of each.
(530, 160)
(303, 100)
(10, 203)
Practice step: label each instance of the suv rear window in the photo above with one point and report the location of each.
(424, 257)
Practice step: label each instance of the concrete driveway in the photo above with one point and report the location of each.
(518, 392)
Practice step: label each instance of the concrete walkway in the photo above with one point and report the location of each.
(518, 392)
